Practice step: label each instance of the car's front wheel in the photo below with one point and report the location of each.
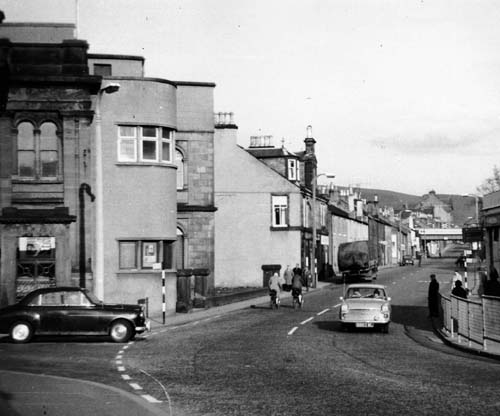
(120, 331)
(21, 332)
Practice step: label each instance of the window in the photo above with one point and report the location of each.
(167, 136)
(135, 255)
(145, 144)
(179, 161)
(127, 148)
(104, 70)
(280, 210)
(37, 151)
(293, 170)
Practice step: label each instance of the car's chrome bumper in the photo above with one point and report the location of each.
(146, 327)
(367, 316)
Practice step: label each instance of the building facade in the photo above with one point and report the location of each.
(106, 176)
(259, 217)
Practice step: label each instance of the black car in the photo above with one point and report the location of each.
(70, 311)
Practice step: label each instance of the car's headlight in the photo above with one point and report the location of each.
(344, 308)
(385, 308)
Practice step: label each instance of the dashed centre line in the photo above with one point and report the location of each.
(150, 399)
(323, 311)
(293, 330)
(307, 320)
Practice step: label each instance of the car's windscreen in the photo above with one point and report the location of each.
(365, 292)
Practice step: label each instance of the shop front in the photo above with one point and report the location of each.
(34, 251)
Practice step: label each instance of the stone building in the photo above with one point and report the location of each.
(106, 176)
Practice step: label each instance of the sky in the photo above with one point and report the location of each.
(402, 95)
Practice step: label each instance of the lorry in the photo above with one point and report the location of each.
(357, 260)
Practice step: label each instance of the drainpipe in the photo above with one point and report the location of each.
(83, 188)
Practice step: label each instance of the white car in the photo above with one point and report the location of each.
(365, 306)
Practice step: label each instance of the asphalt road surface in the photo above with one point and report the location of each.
(259, 361)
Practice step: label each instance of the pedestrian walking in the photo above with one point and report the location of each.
(306, 279)
(288, 275)
(458, 290)
(419, 258)
(492, 286)
(433, 297)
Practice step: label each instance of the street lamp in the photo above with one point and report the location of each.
(312, 266)
(99, 229)
(476, 198)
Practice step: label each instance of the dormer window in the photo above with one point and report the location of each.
(293, 170)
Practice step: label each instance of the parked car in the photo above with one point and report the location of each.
(365, 306)
(407, 259)
(70, 311)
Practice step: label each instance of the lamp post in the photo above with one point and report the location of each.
(99, 206)
(312, 266)
(476, 200)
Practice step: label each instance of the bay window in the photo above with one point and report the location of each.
(145, 144)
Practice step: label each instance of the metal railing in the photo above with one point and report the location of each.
(474, 321)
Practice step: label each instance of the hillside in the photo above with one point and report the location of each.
(463, 207)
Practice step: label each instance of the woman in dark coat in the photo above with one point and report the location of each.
(433, 297)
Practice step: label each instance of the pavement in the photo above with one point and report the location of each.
(27, 394)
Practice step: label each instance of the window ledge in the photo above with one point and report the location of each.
(143, 271)
(159, 164)
(37, 181)
(281, 228)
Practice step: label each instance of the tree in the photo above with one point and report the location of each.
(490, 184)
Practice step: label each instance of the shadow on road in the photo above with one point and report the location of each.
(328, 325)
(83, 339)
(415, 316)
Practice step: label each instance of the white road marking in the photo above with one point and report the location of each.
(121, 368)
(164, 391)
(337, 305)
(119, 356)
(150, 399)
(126, 377)
(119, 362)
(293, 330)
(135, 386)
(125, 347)
(307, 320)
(323, 311)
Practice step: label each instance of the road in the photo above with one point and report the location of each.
(259, 361)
